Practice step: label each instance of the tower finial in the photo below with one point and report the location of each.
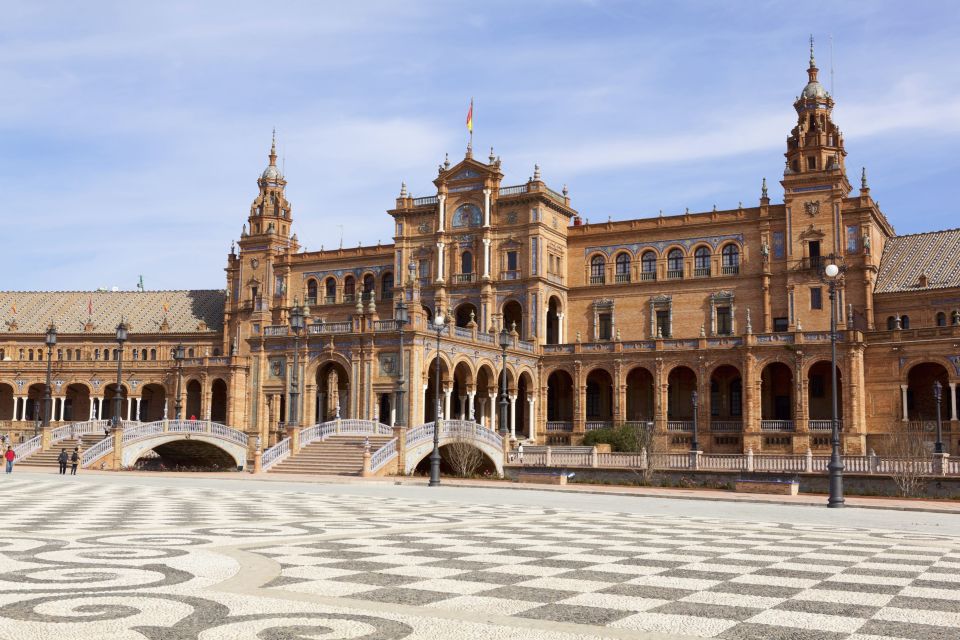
(813, 63)
(863, 179)
(273, 149)
(763, 189)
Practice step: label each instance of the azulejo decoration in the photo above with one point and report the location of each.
(467, 215)
(388, 363)
(512, 217)
(254, 262)
(423, 228)
(811, 207)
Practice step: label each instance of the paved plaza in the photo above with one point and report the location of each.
(115, 556)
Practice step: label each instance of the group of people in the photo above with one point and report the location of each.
(73, 459)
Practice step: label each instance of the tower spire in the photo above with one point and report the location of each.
(273, 149)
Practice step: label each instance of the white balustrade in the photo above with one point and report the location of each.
(275, 454)
(680, 425)
(823, 425)
(776, 425)
(383, 455)
(96, 452)
(27, 448)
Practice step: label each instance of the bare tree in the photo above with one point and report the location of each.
(639, 437)
(463, 457)
(911, 459)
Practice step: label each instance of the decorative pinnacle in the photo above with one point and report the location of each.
(813, 63)
(446, 161)
(863, 179)
(403, 190)
(273, 149)
(492, 158)
(763, 189)
(536, 172)
(566, 191)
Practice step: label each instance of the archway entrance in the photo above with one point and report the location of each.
(820, 397)
(333, 392)
(921, 405)
(513, 318)
(560, 401)
(776, 397)
(109, 404)
(726, 399)
(682, 382)
(599, 400)
(192, 410)
(524, 424)
(640, 395)
(153, 398)
(6, 402)
(218, 401)
(553, 321)
(431, 394)
(186, 455)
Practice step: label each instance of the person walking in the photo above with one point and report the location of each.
(62, 459)
(9, 455)
(520, 452)
(74, 460)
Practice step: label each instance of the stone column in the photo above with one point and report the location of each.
(482, 412)
(493, 411)
(486, 259)
(129, 408)
(463, 407)
(102, 401)
(486, 208)
(447, 392)
(531, 421)
(442, 210)
(471, 395)
(513, 415)
(440, 261)
(93, 406)
(953, 400)
(561, 334)
(903, 401)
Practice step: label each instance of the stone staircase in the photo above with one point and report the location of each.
(49, 458)
(337, 455)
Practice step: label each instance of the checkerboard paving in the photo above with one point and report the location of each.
(688, 576)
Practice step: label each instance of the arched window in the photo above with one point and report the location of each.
(731, 259)
(941, 319)
(701, 261)
(216, 351)
(386, 286)
(190, 353)
(466, 263)
(675, 264)
(623, 267)
(348, 289)
(891, 323)
(311, 291)
(648, 265)
(597, 268)
(153, 354)
(143, 354)
(368, 286)
(330, 291)
(76, 354)
(30, 354)
(96, 354)
(904, 322)
(69, 354)
(136, 354)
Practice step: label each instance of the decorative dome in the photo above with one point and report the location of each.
(271, 173)
(814, 90)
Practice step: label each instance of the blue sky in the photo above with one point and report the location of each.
(132, 133)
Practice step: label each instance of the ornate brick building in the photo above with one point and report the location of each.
(611, 322)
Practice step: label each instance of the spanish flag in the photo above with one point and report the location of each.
(470, 117)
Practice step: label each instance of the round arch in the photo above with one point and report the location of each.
(641, 391)
(512, 312)
(465, 313)
(333, 389)
(554, 333)
(133, 451)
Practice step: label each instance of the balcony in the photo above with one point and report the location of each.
(730, 269)
(701, 272)
(329, 299)
(675, 274)
(777, 425)
(310, 301)
(597, 279)
(513, 274)
(726, 426)
(812, 263)
(349, 297)
(559, 425)
(621, 278)
(648, 275)
(680, 425)
(596, 425)
(464, 278)
(824, 425)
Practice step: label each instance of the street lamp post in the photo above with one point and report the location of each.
(117, 399)
(402, 317)
(178, 355)
(937, 395)
(835, 466)
(694, 400)
(51, 341)
(296, 324)
(438, 325)
(504, 343)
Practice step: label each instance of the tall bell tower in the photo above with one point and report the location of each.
(815, 185)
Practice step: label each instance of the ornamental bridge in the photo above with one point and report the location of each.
(362, 447)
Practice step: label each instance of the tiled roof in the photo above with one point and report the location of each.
(905, 258)
(144, 311)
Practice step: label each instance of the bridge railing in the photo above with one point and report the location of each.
(383, 455)
(466, 429)
(143, 430)
(96, 452)
(75, 429)
(139, 430)
(275, 454)
(27, 448)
